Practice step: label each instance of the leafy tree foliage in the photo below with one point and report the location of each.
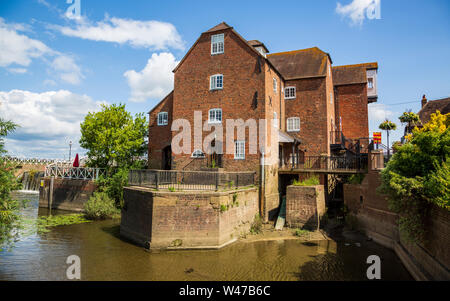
(113, 137)
(410, 119)
(9, 217)
(419, 174)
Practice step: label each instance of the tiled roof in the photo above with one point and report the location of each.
(442, 105)
(348, 75)
(220, 26)
(256, 43)
(311, 62)
(367, 66)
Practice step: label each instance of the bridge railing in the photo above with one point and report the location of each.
(329, 163)
(80, 173)
(37, 161)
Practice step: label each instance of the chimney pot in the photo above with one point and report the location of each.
(424, 101)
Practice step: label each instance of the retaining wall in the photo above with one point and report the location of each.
(198, 219)
(305, 205)
(68, 194)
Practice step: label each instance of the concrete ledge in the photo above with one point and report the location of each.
(204, 247)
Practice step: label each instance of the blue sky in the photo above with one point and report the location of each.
(55, 68)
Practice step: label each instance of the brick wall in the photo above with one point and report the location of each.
(352, 107)
(159, 136)
(194, 219)
(67, 194)
(304, 206)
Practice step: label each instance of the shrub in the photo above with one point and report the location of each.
(301, 232)
(100, 206)
(356, 179)
(256, 226)
(311, 181)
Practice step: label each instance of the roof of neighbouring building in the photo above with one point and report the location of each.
(256, 43)
(349, 75)
(311, 62)
(441, 105)
(367, 66)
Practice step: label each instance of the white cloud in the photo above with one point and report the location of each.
(150, 34)
(155, 80)
(378, 113)
(18, 49)
(67, 68)
(358, 10)
(47, 120)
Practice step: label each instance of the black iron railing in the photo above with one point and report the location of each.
(330, 163)
(190, 180)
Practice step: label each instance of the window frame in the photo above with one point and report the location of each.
(239, 156)
(215, 121)
(294, 128)
(370, 83)
(275, 85)
(215, 76)
(202, 156)
(289, 88)
(222, 35)
(161, 122)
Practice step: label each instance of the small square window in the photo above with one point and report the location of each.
(215, 116)
(163, 118)
(289, 93)
(293, 124)
(216, 82)
(217, 44)
(239, 150)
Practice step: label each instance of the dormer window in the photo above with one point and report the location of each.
(163, 118)
(370, 83)
(216, 82)
(217, 44)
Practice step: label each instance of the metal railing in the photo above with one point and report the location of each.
(80, 173)
(330, 163)
(190, 180)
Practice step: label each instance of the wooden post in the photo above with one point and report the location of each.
(50, 198)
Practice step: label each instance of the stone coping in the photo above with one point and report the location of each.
(190, 192)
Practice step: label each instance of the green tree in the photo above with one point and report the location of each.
(113, 137)
(388, 126)
(410, 119)
(419, 174)
(9, 217)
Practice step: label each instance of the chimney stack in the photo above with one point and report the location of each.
(424, 101)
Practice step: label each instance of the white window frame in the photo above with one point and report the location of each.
(217, 42)
(287, 94)
(163, 120)
(275, 84)
(294, 126)
(213, 82)
(198, 153)
(370, 83)
(239, 150)
(215, 119)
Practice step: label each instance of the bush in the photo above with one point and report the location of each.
(256, 226)
(311, 181)
(356, 179)
(100, 206)
(301, 232)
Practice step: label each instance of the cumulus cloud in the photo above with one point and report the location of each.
(378, 113)
(358, 10)
(47, 120)
(155, 80)
(149, 34)
(19, 50)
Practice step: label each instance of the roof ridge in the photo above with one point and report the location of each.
(297, 51)
(358, 65)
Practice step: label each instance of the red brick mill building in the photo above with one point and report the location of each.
(315, 108)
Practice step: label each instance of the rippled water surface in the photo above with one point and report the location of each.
(104, 256)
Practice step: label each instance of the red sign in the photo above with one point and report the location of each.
(377, 137)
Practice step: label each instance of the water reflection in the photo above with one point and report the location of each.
(105, 256)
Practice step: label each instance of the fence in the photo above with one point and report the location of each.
(81, 173)
(331, 163)
(190, 180)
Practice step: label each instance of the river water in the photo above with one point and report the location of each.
(105, 256)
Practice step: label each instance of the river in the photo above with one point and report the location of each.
(105, 256)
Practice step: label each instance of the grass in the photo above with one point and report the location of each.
(256, 226)
(311, 181)
(301, 232)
